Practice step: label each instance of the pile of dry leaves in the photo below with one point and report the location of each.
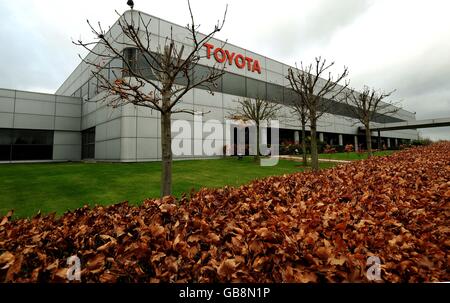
(305, 227)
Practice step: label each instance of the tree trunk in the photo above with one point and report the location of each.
(305, 161)
(257, 141)
(369, 141)
(166, 152)
(314, 151)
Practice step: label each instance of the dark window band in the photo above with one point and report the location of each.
(229, 83)
(26, 144)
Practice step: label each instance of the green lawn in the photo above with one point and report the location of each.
(49, 187)
(353, 155)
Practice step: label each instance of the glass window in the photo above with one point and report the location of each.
(5, 136)
(27, 136)
(233, 84)
(5, 144)
(182, 79)
(91, 136)
(32, 152)
(88, 143)
(256, 89)
(274, 93)
(289, 96)
(5, 152)
(341, 109)
(130, 55)
(144, 62)
(201, 72)
(325, 105)
(26, 144)
(115, 70)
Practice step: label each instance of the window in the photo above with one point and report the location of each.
(130, 56)
(32, 144)
(256, 88)
(32, 152)
(289, 96)
(5, 144)
(28, 137)
(115, 71)
(326, 105)
(26, 144)
(181, 78)
(229, 83)
(201, 72)
(274, 93)
(88, 143)
(233, 84)
(143, 66)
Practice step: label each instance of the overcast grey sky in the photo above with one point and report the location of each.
(402, 45)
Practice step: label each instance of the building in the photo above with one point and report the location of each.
(75, 124)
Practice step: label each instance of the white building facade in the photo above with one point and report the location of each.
(76, 123)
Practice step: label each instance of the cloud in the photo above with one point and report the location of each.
(401, 44)
(428, 73)
(29, 57)
(329, 17)
(421, 82)
(309, 26)
(38, 50)
(440, 133)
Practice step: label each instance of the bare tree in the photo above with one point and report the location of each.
(258, 111)
(315, 92)
(366, 106)
(155, 79)
(300, 109)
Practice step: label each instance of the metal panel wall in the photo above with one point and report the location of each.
(38, 111)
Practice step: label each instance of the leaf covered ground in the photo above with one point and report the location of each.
(304, 227)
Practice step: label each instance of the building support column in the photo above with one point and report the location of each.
(263, 136)
(356, 144)
(389, 142)
(396, 142)
(296, 137)
(321, 137)
(341, 140)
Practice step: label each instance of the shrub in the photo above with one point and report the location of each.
(339, 148)
(290, 148)
(348, 148)
(320, 146)
(329, 149)
(421, 142)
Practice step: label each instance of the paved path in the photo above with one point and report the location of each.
(300, 159)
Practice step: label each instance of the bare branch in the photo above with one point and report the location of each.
(314, 92)
(256, 110)
(368, 105)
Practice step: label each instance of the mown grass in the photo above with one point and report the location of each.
(353, 155)
(58, 187)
